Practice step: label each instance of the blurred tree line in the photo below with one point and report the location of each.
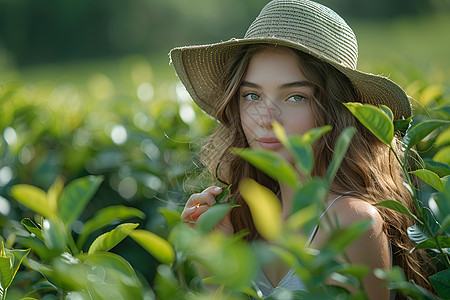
(51, 31)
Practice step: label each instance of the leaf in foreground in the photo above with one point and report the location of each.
(397, 206)
(108, 240)
(212, 216)
(441, 283)
(430, 177)
(420, 131)
(271, 164)
(34, 198)
(265, 208)
(373, 119)
(155, 245)
(106, 216)
(75, 196)
(340, 150)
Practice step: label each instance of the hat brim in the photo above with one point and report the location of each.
(200, 68)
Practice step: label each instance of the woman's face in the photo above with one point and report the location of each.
(274, 89)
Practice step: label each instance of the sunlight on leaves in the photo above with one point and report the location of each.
(418, 132)
(155, 245)
(397, 206)
(75, 197)
(265, 208)
(340, 150)
(271, 164)
(430, 177)
(373, 119)
(34, 198)
(108, 240)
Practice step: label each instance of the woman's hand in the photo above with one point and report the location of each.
(199, 203)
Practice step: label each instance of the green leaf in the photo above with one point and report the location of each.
(416, 234)
(314, 134)
(172, 216)
(304, 157)
(444, 242)
(340, 240)
(34, 198)
(301, 150)
(212, 216)
(18, 253)
(106, 216)
(302, 217)
(417, 133)
(155, 245)
(75, 197)
(54, 192)
(358, 271)
(54, 234)
(166, 285)
(374, 119)
(9, 266)
(223, 196)
(437, 167)
(443, 155)
(394, 274)
(271, 164)
(6, 271)
(402, 125)
(339, 152)
(108, 260)
(33, 228)
(387, 111)
(396, 280)
(397, 206)
(265, 208)
(442, 199)
(430, 177)
(444, 225)
(312, 192)
(108, 240)
(441, 283)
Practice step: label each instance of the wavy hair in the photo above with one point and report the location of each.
(369, 168)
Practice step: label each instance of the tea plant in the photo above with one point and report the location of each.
(198, 262)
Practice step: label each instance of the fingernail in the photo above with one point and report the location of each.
(217, 189)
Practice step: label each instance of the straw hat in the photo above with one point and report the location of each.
(299, 24)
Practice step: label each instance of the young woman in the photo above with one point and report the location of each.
(296, 65)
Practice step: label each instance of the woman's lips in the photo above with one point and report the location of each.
(269, 143)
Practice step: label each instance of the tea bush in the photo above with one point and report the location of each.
(79, 159)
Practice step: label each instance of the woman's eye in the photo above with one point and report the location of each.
(251, 97)
(296, 98)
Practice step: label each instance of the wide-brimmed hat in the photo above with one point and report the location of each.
(299, 24)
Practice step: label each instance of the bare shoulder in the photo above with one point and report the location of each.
(348, 210)
(372, 248)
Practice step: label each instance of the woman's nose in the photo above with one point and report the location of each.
(268, 114)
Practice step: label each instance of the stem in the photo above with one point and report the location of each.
(416, 202)
(73, 247)
(422, 214)
(446, 258)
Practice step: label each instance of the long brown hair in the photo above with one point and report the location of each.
(369, 168)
